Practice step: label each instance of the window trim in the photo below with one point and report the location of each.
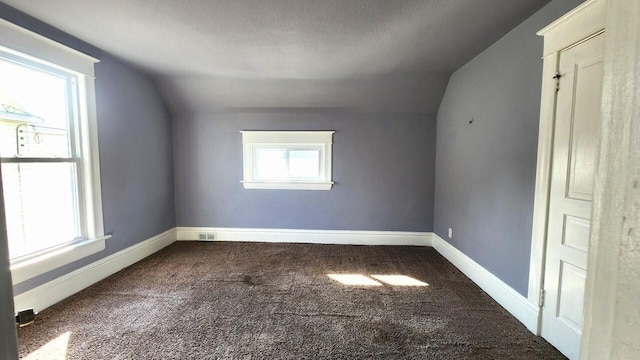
(287, 139)
(33, 47)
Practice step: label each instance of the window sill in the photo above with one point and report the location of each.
(28, 268)
(276, 185)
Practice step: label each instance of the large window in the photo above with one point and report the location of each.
(299, 160)
(48, 153)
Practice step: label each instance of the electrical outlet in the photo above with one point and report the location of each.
(450, 233)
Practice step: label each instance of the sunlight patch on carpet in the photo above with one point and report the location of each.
(354, 279)
(364, 280)
(55, 349)
(399, 280)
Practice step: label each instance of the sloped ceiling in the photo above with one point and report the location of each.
(226, 55)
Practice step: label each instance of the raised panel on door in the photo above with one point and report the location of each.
(575, 233)
(584, 129)
(572, 283)
(575, 145)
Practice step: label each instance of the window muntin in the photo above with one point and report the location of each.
(287, 159)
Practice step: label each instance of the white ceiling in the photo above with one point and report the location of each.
(372, 55)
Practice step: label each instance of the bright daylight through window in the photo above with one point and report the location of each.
(38, 160)
(296, 160)
(49, 169)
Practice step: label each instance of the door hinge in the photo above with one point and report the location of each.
(541, 300)
(557, 77)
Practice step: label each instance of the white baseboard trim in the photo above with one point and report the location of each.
(45, 295)
(519, 306)
(343, 237)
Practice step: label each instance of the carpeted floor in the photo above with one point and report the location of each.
(197, 300)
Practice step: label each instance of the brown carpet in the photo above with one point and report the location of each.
(275, 301)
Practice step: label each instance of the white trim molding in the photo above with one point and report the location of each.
(82, 278)
(32, 45)
(45, 295)
(33, 266)
(343, 237)
(284, 185)
(285, 142)
(34, 50)
(512, 301)
(585, 20)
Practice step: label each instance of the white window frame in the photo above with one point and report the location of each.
(290, 140)
(33, 47)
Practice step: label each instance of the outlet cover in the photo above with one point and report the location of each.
(450, 233)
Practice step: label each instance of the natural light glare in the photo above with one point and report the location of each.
(354, 279)
(304, 163)
(271, 164)
(399, 280)
(40, 203)
(33, 113)
(393, 280)
(55, 349)
(278, 164)
(41, 197)
(37, 93)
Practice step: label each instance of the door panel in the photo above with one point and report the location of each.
(575, 145)
(576, 233)
(572, 282)
(584, 128)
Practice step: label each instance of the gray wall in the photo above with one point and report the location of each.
(382, 165)
(485, 171)
(136, 161)
(8, 341)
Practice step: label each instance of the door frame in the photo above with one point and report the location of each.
(611, 320)
(586, 20)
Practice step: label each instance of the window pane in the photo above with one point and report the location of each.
(271, 164)
(33, 112)
(40, 203)
(304, 163)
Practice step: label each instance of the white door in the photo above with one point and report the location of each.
(575, 147)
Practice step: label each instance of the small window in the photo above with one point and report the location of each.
(48, 153)
(296, 160)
